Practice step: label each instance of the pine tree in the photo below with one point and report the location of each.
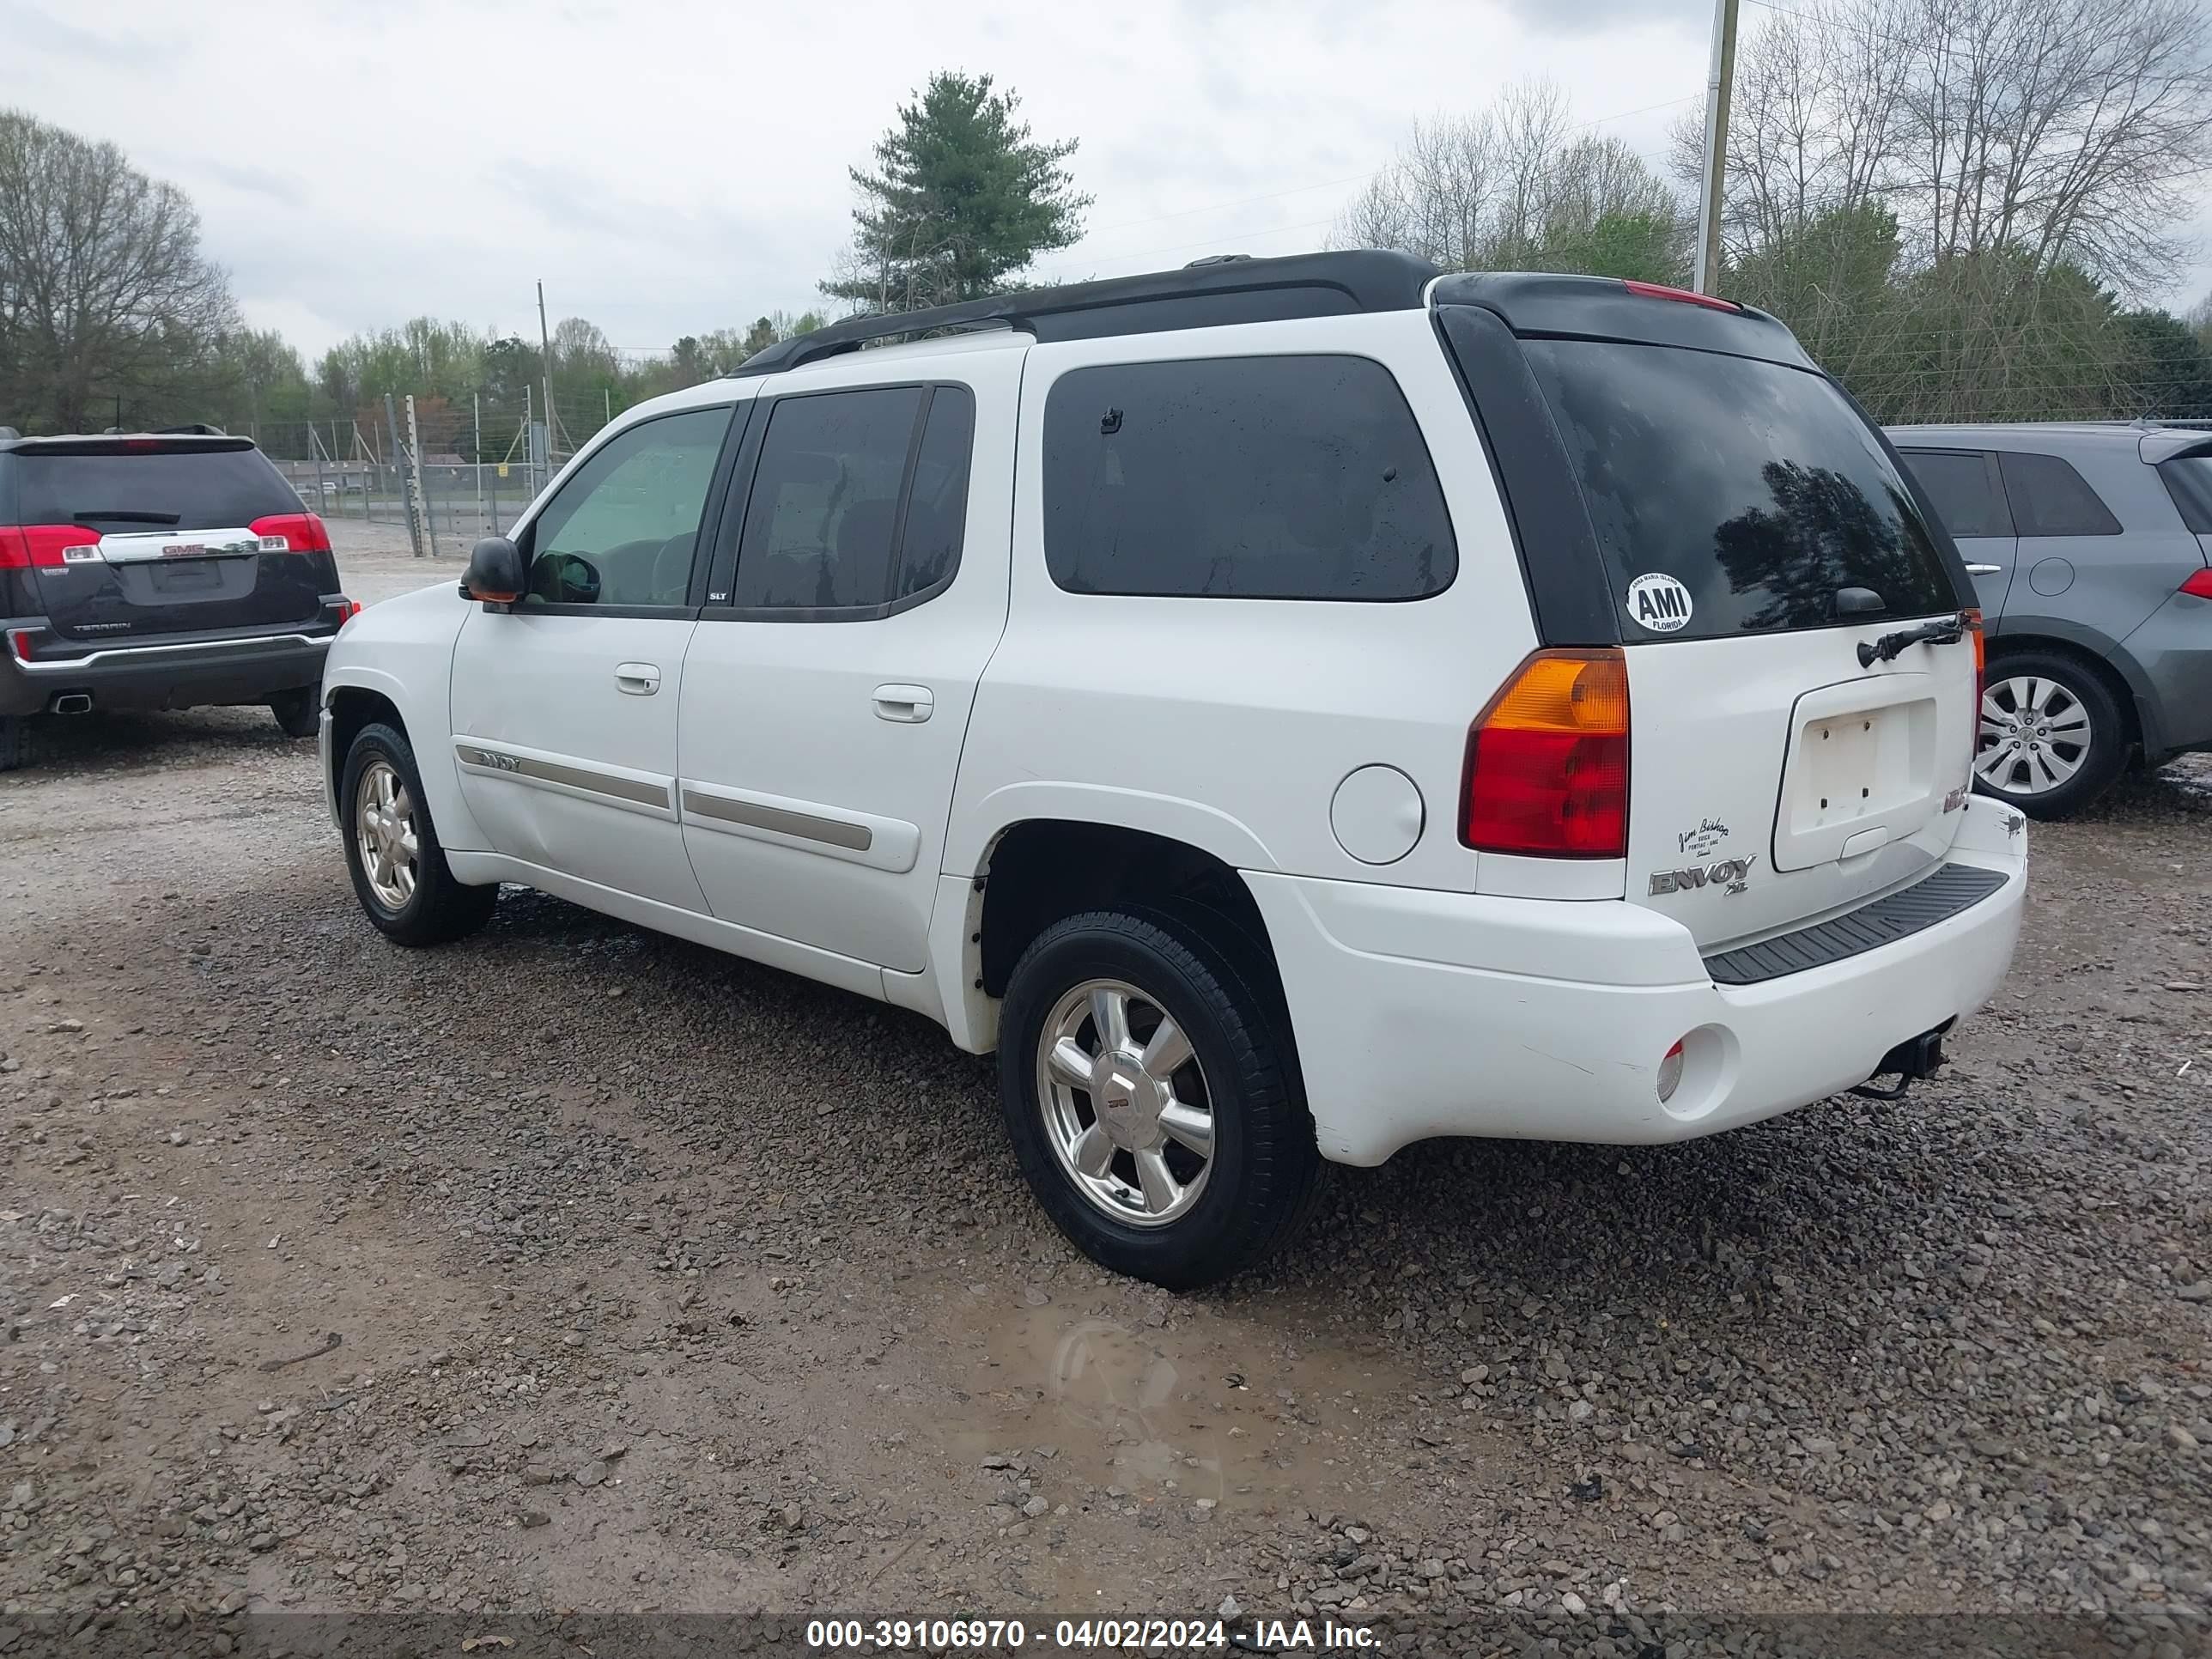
(963, 199)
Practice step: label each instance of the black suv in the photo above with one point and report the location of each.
(158, 570)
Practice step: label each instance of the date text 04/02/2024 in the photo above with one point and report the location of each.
(1260, 1635)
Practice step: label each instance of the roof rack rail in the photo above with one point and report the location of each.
(1202, 295)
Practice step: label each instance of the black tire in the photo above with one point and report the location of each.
(14, 742)
(2065, 683)
(1265, 1165)
(299, 711)
(440, 909)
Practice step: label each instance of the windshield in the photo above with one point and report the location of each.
(1734, 495)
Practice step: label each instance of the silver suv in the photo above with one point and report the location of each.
(2089, 545)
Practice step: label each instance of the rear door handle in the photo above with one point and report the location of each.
(1984, 570)
(637, 679)
(907, 705)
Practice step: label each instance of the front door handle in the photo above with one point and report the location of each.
(906, 705)
(1984, 570)
(637, 679)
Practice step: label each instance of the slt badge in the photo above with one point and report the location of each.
(1731, 874)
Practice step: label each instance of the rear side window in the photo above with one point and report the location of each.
(1241, 478)
(824, 515)
(1964, 486)
(1755, 486)
(135, 490)
(2050, 498)
(936, 500)
(2189, 481)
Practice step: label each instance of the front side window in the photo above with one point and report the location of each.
(1287, 478)
(2050, 498)
(622, 531)
(1960, 484)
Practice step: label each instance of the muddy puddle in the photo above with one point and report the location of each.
(1215, 1413)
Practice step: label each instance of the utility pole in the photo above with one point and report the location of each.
(545, 352)
(1719, 83)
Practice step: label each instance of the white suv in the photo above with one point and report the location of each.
(1287, 708)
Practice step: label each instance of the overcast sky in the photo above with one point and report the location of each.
(669, 166)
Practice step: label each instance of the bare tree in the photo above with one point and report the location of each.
(1437, 198)
(1510, 185)
(104, 293)
(2071, 131)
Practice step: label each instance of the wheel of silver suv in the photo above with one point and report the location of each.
(2037, 735)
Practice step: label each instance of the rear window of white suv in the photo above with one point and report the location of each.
(1291, 478)
(1755, 486)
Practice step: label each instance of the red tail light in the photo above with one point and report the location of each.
(346, 610)
(1547, 761)
(2199, 584)
(41, 544)
(1980, 637)
(1683, 296)
(303, 533)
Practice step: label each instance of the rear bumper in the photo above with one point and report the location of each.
(1422, 1013)
(169, 674)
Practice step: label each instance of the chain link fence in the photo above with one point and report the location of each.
(450, 470)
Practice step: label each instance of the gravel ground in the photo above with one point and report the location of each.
(577, 1267)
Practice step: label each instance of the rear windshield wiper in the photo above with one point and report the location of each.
(1942, 630)
(122, 517)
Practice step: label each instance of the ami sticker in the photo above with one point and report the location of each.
(1659, 603)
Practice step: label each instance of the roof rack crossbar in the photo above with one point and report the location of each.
(1208, 293)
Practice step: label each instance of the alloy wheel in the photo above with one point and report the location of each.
(2035, 735)
(384, 827)
(1126, 1105)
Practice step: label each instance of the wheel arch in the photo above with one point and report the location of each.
(1034, 870)
(2120, 673)
(356, 696)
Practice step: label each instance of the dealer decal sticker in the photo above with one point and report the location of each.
(1658, 601)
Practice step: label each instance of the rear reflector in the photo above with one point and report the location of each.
(1670, 1073)
(302, 532)
(1683, 296)
(346, 610)
(2199, 584)
(41, 544)
(1547, 761)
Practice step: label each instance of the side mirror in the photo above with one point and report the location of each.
(494, 574)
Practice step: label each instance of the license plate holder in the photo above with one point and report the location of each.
(1842, 766)
(1862, 756)
(186, 576)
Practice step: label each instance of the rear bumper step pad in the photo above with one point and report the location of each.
(1952, 887)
